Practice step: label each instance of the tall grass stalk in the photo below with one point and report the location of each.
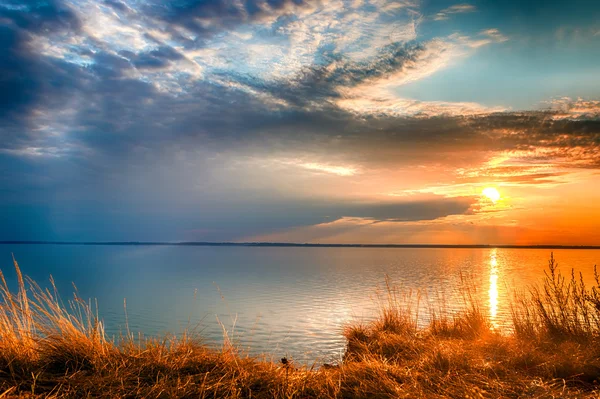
(561, 308)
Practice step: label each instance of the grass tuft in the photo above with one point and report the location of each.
(563, 308)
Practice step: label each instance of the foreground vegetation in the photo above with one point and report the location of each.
(49, 349)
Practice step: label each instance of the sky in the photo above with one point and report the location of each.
(343, 121)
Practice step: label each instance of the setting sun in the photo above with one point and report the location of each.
(491, 193)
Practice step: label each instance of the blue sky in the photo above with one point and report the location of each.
(326, 121)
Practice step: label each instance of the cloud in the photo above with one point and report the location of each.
(26, 78)
(228, 218)
(158, 58)
(312, 211)
(122, 55)
(494, 34)
(447, 231)
(406, 210)
(205, 17)
(455, 9)
(483, 38)
(89, 47)
(393, 106)
(568, 108)
(112, 106)
(326, 168)
(413, 64)
(378, 93)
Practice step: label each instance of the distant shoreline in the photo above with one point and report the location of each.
(296, 245)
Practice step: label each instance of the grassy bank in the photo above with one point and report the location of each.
(53, 349)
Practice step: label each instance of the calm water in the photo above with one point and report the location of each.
(280, 301)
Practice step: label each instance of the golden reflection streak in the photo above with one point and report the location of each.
(493, 292)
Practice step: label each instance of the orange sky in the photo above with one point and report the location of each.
(561, 212)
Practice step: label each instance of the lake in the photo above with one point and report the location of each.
(280, 301)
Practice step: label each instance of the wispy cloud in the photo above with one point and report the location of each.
(336, 170)
(376, 95)
(394, 106)
(455, 9)
(494, 34)
(483, 38)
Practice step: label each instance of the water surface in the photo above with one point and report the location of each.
(283, 301)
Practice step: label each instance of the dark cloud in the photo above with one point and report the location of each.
(226, 12)
(407, 210)
(17, 85)
(39, 16)
(205, 18)
(158, 58)
(321, 82)
(107, 67)
(230, 219)
(26, 79)
(250, 218)
(558, 136)
(310, 211)
(117, 5)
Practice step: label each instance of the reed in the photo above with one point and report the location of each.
(49, 348)
(562, 308)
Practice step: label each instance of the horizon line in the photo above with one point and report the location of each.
(293, 244)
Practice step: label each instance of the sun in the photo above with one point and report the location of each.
(491, 193)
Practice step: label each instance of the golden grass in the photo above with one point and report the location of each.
(57, 350)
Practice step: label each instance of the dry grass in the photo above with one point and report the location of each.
(562, 308)
(57, 350)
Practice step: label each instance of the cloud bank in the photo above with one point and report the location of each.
(268, 114)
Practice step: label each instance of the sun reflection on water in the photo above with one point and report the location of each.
(493, 287)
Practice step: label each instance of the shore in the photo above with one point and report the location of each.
(53, 349)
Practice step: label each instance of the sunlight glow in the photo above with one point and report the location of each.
(491, 193)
